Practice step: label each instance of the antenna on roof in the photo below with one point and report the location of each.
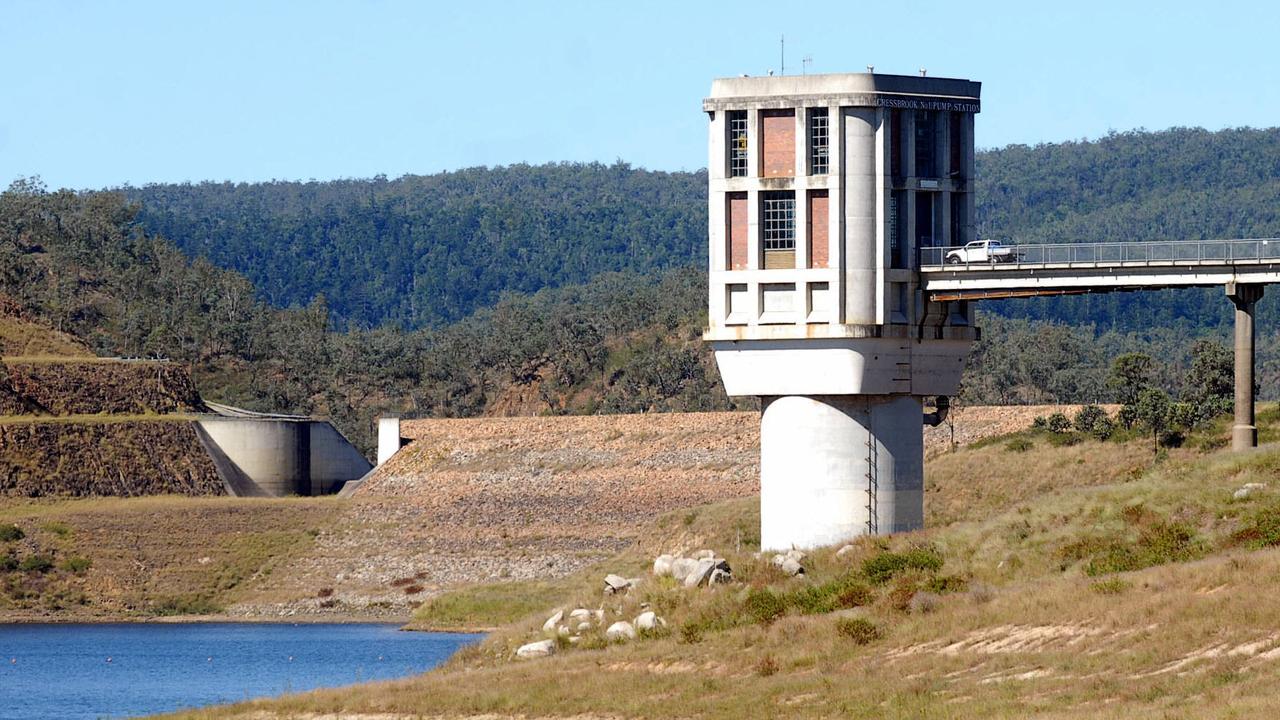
(923, 72)
(805, 62)
(782, 52)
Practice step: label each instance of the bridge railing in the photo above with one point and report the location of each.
(1155, 253)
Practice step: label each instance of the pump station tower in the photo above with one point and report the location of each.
(823, 191)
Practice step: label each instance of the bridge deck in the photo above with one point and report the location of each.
(1067, 268)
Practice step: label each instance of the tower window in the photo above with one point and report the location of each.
(818, 141)
(779, 221)
(737, 143)
(926, 145)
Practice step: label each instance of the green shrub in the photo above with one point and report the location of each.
(10, 532)
(691, 632)
(36, 563)
(8, 562)
(1040, 422)
(1019, 444)
(1057, 423)
(1087, 416)
(1112, 586)
(944, 584)
(903, 590)
(883, 567)
(1260, 530)
(1092, 420)
(862, 632)
(763, 606)
(854, 595)
(1159, 542)
(60, 529)
(1065, 439)
(75, 564)
(846, 591)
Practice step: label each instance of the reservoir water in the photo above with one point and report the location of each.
(124, 670)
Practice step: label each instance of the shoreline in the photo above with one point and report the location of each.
(401, 621)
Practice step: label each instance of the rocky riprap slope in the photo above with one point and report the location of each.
(484, 499)
(92, 387)
(606, 473)
(84, 426)
(489, 499)
(126, 458)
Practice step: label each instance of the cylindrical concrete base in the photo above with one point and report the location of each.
(1244, 437)
(1244, 433)
(836, 467)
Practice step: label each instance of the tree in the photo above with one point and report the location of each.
(1210, 383)
(1131, 374)
(1093, 420)
(1153, 409)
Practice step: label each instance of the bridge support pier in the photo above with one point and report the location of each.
(1244, 432)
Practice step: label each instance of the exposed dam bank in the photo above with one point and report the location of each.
(465, 501)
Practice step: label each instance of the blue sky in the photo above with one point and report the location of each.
(103, 93)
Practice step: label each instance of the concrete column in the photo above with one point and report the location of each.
(717, 157)
(836, 203)
(802, 143)
(836, 467)
(1244, 432)
(860, 177)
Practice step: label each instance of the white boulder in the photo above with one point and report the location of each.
(682, 567)
(580, 619)
(621, 630)
(542, 648)
(662, 565)
(615, 584)
(649, 621)
(553, 621)
(709, 571)
(1248, 490)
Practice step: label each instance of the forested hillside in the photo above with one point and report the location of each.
(424, 250)
(1180, 184)
(577, 288)
(79, 263)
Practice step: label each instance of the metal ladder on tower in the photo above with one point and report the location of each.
(873, 483)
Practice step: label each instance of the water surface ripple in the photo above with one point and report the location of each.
(78, 671)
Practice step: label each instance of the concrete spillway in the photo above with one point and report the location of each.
(258, 454)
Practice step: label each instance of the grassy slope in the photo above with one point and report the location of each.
(1026, 615)
(25, 338)
(152, 556)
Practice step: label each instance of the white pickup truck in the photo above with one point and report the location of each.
(982, 251)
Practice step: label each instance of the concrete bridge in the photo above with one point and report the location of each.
(1242, 267)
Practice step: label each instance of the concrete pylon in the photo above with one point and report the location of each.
(838, 466)
(1244, 431)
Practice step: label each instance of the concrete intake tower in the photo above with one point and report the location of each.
(823, 191)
